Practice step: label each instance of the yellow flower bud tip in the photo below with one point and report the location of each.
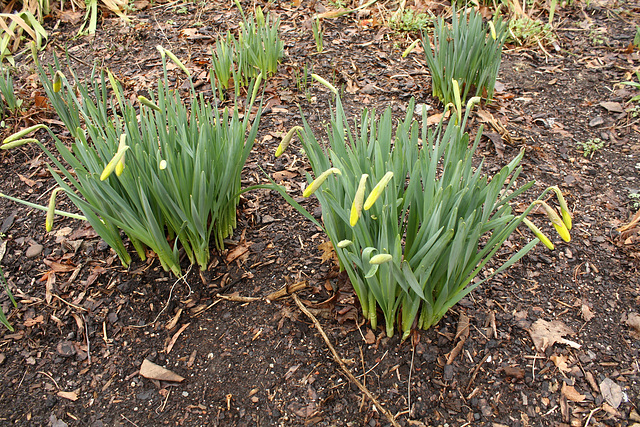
(356, 207)
(57, 81)
(316, 183)
(564, 209)
(377, 190)
(323, 82)
(163, 164)
(380, 259)
(17, 143)
(536, 231)
(51, 209)
(111, 166)
(145, 101)
(161, 50)
(566, 218)
(492, 29)
(563, 232)
(344, 243)
(287, 140)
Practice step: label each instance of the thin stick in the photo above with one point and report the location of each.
(413, 353)
(475, 371)
(86, 335)
(338, 360)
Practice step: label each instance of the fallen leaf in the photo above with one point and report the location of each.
(32, 322)
(327, 252)
(71, 395)
(560, 362)
(587, 314)
(571, 393)
(633, 320)
(611, 392)
(154, 372)
(545, 334)
(614, 107)
(71, 17)
(462, 330)
(369, 337)
(26, 180)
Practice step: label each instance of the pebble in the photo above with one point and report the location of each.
(34, 250)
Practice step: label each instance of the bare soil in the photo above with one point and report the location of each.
(75, 360)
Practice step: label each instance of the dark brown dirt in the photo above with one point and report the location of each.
(263, 363)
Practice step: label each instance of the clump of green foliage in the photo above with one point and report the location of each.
(165, 172)
(468, 52)
(256, 51)
(412, 220)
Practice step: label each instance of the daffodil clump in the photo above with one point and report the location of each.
(467, 51)
(164, 171)
(407, 213)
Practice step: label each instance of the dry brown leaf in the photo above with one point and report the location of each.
(560, 362)
(571, 393)
(633, 320)
(369, 337)
(611, 392)
(26, 180)
(327, 252)
(71, 395)
(614, 107)
(587, 314)
(32, 322)
(154, 372)
(462, 331)
(174, 321)
(544, 334)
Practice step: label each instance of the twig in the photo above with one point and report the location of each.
(339, 361)
(593, 411)
(86, 335)
(413, 353)
(475, 371)
(70, 304)
(132, 423)
(50, 377)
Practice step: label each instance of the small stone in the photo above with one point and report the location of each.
(66, 349)
(34, 250)
(596, 121)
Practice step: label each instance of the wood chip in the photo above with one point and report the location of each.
(152, 371)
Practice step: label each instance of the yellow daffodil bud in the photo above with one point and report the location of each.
(557, 222)
(145, 101)
(456, 97)
(356, 207)
(564, 209)
(17, 143)
(51, 209)
(111, 166)
(163, 164)
(24, 132)
(57, 81)
(344, 243)
(473, 101)
(380, 259)
(492, 29)
(256, 86)
(377, 190)
(323, 82)
(287, 140)
(120, 165)
(410, 48)
(316, 183)
(161, 50)
(177, 62)
(544, 239)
